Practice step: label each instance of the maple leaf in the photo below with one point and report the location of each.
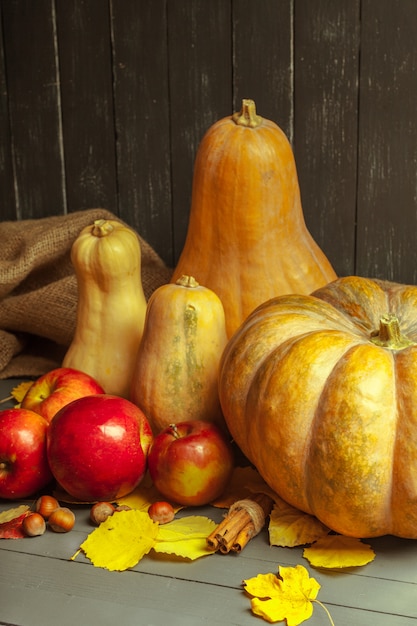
(288, 597)
(185, 537)
(121, 541)
(336, 551)
(11, 522)
(290, 527)
(18, 392)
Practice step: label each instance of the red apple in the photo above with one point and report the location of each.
(53, 390)
(191, 462)
(97, 447)
(24, 467)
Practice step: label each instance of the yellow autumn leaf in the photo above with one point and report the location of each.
(143, 496)
(140, 498)
(20, 390)
(238, 488)
(185, 537)
(260, 486)
(336, 551)
(263, 585)
(10, 514)
(121, 541)
(290, 527)
(288, 596)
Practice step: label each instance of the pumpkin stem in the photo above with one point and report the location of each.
(187, 281)
(389, 334)
(101, 228)
(247, 115)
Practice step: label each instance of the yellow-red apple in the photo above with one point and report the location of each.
(191, 462)
(58, 387)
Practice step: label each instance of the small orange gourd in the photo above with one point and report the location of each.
(320, 393)
(247, 239)
(176, 372)
(111, 304)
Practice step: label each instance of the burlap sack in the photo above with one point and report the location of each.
(38, 289)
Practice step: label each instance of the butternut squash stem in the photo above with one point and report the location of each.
(102, 228)
(187, 281)
(247, 115)
(389, 334)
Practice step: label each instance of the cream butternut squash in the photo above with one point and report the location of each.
(111, 304)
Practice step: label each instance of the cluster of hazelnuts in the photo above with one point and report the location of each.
(60, 519)
(48, 511)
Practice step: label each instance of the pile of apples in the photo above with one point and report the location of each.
(97, 447)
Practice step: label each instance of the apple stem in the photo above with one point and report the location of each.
(3, 465)
(174, 430)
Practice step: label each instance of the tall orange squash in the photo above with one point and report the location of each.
(247, 239)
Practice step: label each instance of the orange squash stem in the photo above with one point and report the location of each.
(247, 115)
(389, 334)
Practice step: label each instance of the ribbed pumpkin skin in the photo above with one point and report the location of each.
(176, 371)
(328, 417)
(247, 239)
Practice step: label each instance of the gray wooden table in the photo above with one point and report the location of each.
(39, 584)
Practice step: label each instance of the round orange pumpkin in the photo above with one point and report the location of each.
(320, 393)
(247, 239)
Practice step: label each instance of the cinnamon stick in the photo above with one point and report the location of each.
(244, 520)
(237, 543)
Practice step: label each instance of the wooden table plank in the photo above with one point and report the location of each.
(7, 190)
(141, 103)
(263, 70)
(89, 137)
(200, 91)
(79, 593)
(387, 176)
(326, 57)
(33, 109)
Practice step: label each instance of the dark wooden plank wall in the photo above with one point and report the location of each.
(104, 103)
